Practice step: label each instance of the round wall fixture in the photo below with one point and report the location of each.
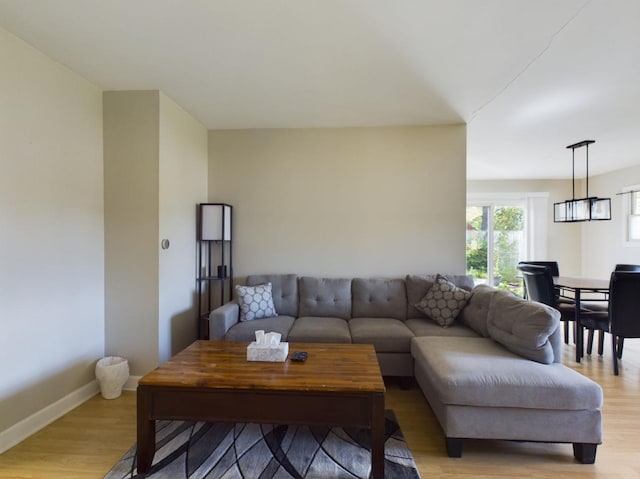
(165, 244)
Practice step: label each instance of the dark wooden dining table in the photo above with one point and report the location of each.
(576, 286)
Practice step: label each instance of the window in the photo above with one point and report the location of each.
(502, 230)
(632, 214)
(496, 242)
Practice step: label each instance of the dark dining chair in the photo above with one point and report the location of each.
(602, 326)
(552, 265)
(624, 310)
(623, 318)
(627, 267)
(596, 322)
(538, 283)
(554, 269)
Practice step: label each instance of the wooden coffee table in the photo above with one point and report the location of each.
(338, 385)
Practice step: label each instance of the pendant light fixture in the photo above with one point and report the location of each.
(589, 208)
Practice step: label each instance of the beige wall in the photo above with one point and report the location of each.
(603, 242)
(131, 179)
(183, 184)
(51, 231)
(343, 202)
(155, 174)
(563, 239)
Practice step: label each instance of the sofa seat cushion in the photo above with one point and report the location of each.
(426, 327)
(480, 372)
(320, 329)
(388, 335)
(246, 330)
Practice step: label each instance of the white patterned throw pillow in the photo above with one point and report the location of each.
(443, 302)
(256, 302)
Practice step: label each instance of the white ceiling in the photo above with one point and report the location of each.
(528, 76)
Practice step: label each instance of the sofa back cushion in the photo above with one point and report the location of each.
(284, 289)
(523, 327)
(475, 313)
(325, 297)
(379, 298)
(419, 285)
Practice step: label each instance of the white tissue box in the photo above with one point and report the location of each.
(261, 353)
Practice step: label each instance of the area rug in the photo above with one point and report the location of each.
(205, 450)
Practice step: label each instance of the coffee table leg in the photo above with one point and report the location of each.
(146, 431)
(377, 437)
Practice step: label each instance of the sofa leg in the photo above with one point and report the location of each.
(585, 453)
(454, 446)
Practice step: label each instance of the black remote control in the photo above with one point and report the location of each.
(299, 356)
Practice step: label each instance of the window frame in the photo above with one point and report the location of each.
(631, 213)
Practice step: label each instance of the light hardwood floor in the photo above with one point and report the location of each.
(85, 443)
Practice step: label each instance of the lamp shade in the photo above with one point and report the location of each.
(215, 222)
(590, 208)
(583, 209)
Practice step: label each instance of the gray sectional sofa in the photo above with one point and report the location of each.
(495, 373)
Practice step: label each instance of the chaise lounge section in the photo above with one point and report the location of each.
(479, 388)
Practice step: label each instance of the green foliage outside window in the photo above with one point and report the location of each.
(508, 224)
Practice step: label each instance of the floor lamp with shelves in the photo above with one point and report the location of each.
(215, 261)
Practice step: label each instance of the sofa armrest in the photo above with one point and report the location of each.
(221, 319)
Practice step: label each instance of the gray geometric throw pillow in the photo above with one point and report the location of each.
(443, 302)
(256, 302)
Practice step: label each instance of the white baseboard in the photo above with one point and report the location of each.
(132, 383)
(32, 424)
(25, 428)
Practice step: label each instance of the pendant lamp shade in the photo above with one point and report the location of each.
(589, 208)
